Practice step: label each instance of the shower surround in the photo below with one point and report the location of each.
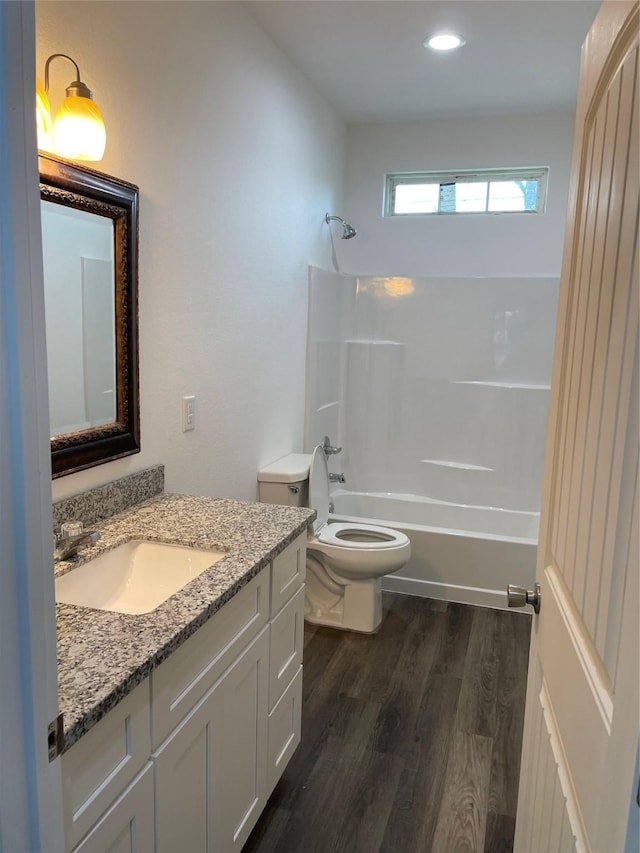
(437, 389)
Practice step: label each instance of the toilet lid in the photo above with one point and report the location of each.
(319, 487)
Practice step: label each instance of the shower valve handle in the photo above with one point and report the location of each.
(328, 449)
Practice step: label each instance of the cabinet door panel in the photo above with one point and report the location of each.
(288, 573)
(287, 640)
(182, 778)
(285, 724)
(211, 771)
(127, 827)
(238, 790)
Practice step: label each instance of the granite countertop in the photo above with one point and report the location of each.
(102, 655)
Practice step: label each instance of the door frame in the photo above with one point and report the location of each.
(30, 786)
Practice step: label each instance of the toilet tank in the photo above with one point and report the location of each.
(285, 482)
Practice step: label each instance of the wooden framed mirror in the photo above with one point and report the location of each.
(90, 255)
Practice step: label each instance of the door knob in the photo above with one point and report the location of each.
(518, 596)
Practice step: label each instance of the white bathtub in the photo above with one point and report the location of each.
(458, 553)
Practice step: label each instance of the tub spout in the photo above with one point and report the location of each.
(337, 478)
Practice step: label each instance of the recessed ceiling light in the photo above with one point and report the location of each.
(444, 41)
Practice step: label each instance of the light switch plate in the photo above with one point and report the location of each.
(188, 413)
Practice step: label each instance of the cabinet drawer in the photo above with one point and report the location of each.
(103, 762)
(181, 681)
(287, 573)
(128, 825)
(287, 639)
(285, 722)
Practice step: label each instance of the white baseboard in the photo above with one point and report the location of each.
(496, 598)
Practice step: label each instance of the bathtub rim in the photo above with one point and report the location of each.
(447, 531)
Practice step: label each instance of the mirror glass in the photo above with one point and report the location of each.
(90, 260)
(79, 291)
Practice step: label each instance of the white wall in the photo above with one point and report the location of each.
(237, 158)
(499, 245)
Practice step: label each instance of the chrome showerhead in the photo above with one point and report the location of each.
(348, 231)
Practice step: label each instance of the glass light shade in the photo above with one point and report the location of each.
(43, 117)
(78, 130)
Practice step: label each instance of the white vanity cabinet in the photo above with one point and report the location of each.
(188, 760)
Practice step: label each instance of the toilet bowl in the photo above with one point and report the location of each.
(345, 561)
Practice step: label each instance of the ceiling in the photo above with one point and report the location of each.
(367, 58)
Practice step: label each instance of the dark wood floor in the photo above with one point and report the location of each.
(410, 738)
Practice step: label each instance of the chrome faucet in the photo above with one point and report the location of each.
(328, 449)
(336, 478)
(71, 538)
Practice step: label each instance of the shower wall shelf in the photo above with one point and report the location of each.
(375, 343)
(465, 466)
(519, 386)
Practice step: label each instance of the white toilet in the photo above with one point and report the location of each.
(345, 561)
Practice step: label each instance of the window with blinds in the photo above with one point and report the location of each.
(520, 190)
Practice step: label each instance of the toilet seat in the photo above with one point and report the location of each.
(347, 562)
(360, 536)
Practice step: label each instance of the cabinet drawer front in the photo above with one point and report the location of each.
(288, 572)
(287, 640)
(128, 825)
(103, 762)
(285, 722)
(180, 681)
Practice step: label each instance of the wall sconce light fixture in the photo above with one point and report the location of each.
(78, 129)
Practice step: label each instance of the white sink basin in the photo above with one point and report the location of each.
(135, 577)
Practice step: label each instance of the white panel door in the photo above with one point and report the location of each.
(581, 720)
